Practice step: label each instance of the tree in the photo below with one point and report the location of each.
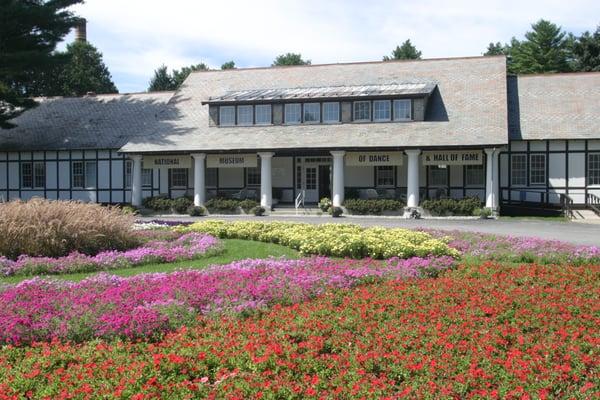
(29, 32)
(228, 65)
(163, 80)
(290, 59)
(84, 71)
(586, 52)
(404, 52)
(496, 49)
(545, 49)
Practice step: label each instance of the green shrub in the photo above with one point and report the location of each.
(181, 204)
(221, 205)
(196, 211)
(158, 203)
(336, 211)
(247, 205)
(372, 206)
(325, 204)
(258, 211)
(484, 212)
(56, 228)
(446, 207)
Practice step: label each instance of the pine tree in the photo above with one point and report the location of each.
(586, 51)
(85, 71)
(161, 80)
(290, 59)
(404, 52)
(228, 65)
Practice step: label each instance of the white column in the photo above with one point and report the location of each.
(199, 184)
(338, 178)
(266, 189)
(491, 179)
(136, 180)
(412, 181)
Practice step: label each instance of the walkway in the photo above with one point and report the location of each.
(577, 233)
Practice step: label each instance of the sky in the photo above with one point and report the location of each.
(138, 36)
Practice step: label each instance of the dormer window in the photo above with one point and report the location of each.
(263, 114)
(312, 113)
(362, 111)
(293, 113)
(227, 115)
(402, 110)
(244, 115)
(331, 113)
(382, 110)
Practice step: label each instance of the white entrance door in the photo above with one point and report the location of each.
(311, 180)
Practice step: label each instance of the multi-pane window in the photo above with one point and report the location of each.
(438, 176)
(227, 115)
(518, 169)
(212, 177)
(33, 175)
(311, 178)
(537, 169)
(146, 175)
(402, 110)
(244, 115)
(263, 114)
(331, 112)
(312, 113)
(83, 174)
(382, 110)
(594, 169)
(293, 113)
(384, 175)
(179, 177)
(299, 177)
(474, 175)
(253, 176)
(362, 111)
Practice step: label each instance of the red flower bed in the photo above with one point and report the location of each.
(489, 331)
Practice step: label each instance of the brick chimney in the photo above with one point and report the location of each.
(81, 31)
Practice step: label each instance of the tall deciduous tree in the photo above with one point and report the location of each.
(406, 51)
(29, 32)
(290, 59)
(84, 71)
(545, 49)
(586, 52)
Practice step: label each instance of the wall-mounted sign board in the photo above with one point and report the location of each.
(373, 158)
(458, 157)
(167, 161)
(231, 161)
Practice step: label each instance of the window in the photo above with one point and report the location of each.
(311, 178)
(227, 115)
(212, 177)
(293, 113)
(474, 175)
(299, 177)
(179, 177)
(381, 110)
(312, 113)
(362, 111)
(537, 169)
(128, 173)
(384, 175)
(402, 110)
(84, 174)
(331, 112)
(518, 169)
(33, 175)
(594, 169)
(438, 176)
(146, 175)
(244, 115)
(263, 114)
(253, 176)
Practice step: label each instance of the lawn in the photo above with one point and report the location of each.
(235, 249)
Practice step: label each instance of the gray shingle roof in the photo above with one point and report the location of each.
(554, 106)
(468, 107)
(388, 89)
(103, 121)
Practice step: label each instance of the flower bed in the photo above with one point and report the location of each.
(517, 249)
(149, 304)
(481, 331)
(336, 240)
(180, 247)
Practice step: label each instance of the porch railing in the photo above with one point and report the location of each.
(593, 203)
(300, 200)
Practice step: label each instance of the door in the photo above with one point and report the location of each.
(324, 181)
(310, 184)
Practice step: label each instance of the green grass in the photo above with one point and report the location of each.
(235, 249)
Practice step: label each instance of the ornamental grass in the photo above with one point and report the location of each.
(335, 240)
(56, 228)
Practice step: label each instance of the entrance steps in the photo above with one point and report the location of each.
(586, 216)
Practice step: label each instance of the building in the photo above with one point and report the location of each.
(401, 129)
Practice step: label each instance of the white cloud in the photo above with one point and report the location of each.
(136, 36)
